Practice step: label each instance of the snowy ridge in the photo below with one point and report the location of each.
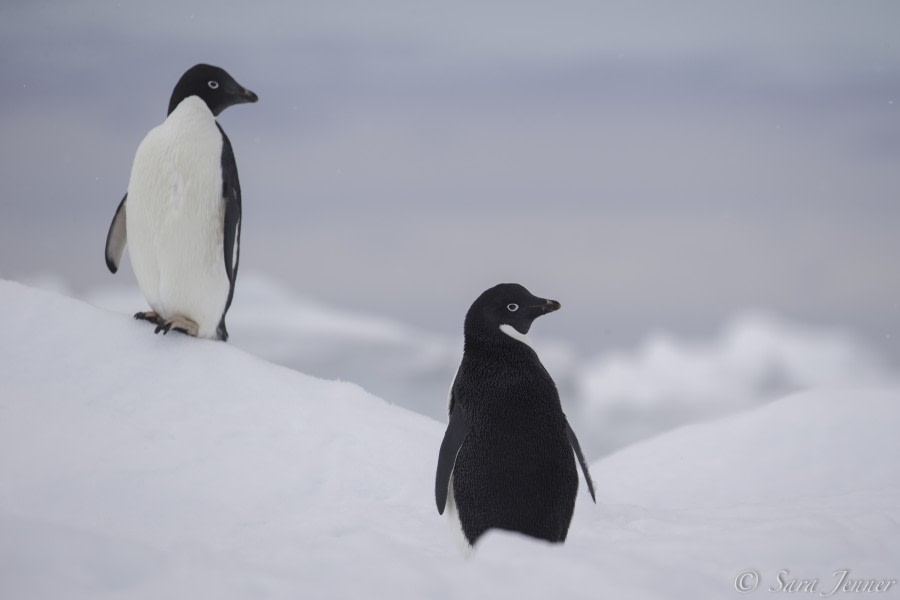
(142, 466)
(618, 398)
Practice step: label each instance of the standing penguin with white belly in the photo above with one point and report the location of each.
(507, 460)
(181, 216)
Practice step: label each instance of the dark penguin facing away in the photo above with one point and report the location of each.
(181, 216)
(508, 456)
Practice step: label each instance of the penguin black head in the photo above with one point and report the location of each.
(507, 304)
(213, 85)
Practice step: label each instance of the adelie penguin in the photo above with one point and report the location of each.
(508, 456)
(181, 216)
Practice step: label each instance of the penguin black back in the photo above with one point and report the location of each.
(513, 466)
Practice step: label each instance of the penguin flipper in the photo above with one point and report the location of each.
(116, 238)
(231, 197)
(573, 441)
(456, 433)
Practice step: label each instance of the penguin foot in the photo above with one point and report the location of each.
(148, 316)
(182, 324)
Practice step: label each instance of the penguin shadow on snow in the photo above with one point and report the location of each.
(508, 457)
(181, 215)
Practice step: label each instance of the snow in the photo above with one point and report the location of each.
(755, 359)
(143, 466)
(618, 398)
(388, 358)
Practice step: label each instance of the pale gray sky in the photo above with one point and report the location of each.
(649, 164)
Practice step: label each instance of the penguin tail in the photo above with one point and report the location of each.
(222, 331)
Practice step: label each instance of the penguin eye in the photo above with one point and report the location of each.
(213, 84)
(512, 307)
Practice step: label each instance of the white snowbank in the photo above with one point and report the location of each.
(405, 366)
(618, 398)
(755, 359)
(142, 466)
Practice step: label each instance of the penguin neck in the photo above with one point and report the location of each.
(502, 345)
(191, 110)
(516, 335)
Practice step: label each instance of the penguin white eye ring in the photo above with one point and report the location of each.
(512, 307)
(213, 84)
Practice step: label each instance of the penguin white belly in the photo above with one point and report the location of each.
(452, 514)
(175, 218)
(456, 524)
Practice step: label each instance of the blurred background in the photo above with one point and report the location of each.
(711, 190)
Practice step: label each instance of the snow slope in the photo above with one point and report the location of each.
(619, 397)
(410, 367)
(142, 466)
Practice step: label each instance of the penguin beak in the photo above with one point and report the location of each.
(245, 95)
(550, 306)
(238, 94)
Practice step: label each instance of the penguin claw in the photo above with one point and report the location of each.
(147, 316)
(181, 324)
